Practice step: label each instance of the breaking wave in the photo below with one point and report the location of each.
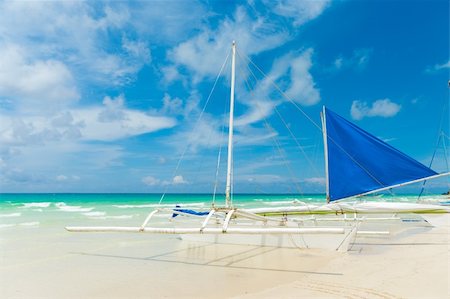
(66, 208)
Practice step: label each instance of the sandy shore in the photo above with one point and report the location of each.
(48, 262)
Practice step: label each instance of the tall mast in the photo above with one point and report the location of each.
(228, 202)
(325, 150)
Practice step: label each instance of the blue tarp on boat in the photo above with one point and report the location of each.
(187, 211)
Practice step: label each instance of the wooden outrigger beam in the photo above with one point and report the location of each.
(206, 230)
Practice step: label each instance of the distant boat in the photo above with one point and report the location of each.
(357, 163)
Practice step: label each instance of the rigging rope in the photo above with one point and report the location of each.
(195, 126)
(270, 129)
(289, 130)
(216, 181)
(313, 122)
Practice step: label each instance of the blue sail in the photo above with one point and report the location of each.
(358, 162)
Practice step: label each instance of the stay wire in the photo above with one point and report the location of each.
(289, 130)
(216, 181)
(314, 123)
(196, 125)
(270, 129)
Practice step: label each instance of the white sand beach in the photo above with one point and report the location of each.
(45, 261)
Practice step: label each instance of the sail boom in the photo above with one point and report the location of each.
(398, 185)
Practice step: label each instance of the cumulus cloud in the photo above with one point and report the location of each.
(35, 84)
(382, 108)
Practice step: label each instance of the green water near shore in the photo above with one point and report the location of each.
(27, 211)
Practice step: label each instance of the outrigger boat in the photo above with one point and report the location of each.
(357, 164)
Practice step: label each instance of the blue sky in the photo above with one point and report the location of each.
(105, 96)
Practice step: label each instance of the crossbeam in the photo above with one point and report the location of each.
(206, 230)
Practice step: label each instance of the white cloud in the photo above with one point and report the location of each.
(338, 63)
(358, 60)
(39, 84)
(291, 73)
(302, 87)
(171, 105)
(203, 54)
(86, 167)
(315, 180)
(299, 11)
(77, 35)
(171, 74)
(109, 122)
(151, 181)
(178, 179)
(167, 21)
(131, 123)
(382, 108)
(137, 49)
(205, 133)
(260, 178)
(259, 110)
(61, 178)
(442, 66)
(114, 109)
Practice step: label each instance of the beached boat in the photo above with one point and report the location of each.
(357, 164)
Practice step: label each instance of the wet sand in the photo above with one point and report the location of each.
(48, 262)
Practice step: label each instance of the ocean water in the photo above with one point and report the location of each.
(31, 211)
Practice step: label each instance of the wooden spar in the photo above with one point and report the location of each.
(206, 230)
(325, 151)
(400, 185)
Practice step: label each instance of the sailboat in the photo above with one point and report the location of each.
(357, 163)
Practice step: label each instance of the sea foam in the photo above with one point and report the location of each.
(36, 205)
(66, 208)
(35, 223)
(6, 225)
(10, 215)
(194, 204)
(94, 214)
(284, 202)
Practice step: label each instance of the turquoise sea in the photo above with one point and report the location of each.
(27, 211)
